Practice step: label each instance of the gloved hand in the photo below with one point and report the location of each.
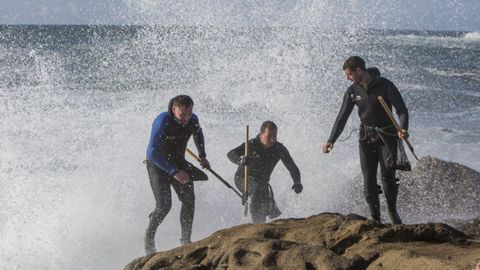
(204, 163)
(182, 177)
(297, 187)
(403, 134)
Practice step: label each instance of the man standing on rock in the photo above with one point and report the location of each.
(166, 166)
(378, 137)
(264, 153)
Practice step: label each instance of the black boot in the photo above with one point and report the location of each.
(391, 198)
(394, 217)
(185, 241)
(375, 212)
(149, 242)
(272, 209)
(374, 204)
(186, 236)
(149, 238)
(392, 211)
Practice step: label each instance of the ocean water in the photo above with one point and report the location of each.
(77, 103)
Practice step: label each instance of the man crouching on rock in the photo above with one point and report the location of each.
(166, 166)
(264, 154)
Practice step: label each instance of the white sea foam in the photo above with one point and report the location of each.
(451, 42)
(453, 73)
(472, 36)
(76, 122)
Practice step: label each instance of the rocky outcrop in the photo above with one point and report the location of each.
(470, 226)
(435, 190)
(324, 241)
(438, 188)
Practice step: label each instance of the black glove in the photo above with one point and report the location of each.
(204, 163)
(297, 187)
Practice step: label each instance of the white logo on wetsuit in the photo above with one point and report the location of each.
(355, 97)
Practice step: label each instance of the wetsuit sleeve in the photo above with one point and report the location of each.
(199, 139)
(156, 143)
(290, 164)
(397, 101)
(343, 114)
(235, 154)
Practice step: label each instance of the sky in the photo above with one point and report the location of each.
(460, 15)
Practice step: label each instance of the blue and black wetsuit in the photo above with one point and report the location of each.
(165, 157)
(378, 137)
(262, 161)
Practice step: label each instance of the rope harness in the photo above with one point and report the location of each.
(380, 132)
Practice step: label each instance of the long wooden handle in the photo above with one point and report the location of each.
(193, 155)
(245, 181)
(389, 113)
(214, 173)
(395, 123)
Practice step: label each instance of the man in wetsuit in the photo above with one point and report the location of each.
(264, 154)
(166, 166)
(378, 136)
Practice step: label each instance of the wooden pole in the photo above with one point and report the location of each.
(214, 173)
(395, 123)
(245, 182)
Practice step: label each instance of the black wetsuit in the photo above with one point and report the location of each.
(378, 137)
(165, 157)
(261, 163)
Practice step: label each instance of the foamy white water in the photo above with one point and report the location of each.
(77, 109)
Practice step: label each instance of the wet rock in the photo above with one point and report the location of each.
(324, 241)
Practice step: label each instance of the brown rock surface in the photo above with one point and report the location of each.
(470, 227)
(324, 241)
(439, 188)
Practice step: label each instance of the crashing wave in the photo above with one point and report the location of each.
(472, 36)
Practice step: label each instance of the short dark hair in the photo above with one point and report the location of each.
(269, 125)
(182, 101)
(354, 62)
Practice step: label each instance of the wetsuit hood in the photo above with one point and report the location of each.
(375, 72)
(375, 75)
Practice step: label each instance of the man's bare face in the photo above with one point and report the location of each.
(355, 76)
(268, 137)
(182, 113)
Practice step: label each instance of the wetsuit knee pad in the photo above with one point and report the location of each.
(160, 212)
(391, 185)
(163, 205)
(372, 191)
